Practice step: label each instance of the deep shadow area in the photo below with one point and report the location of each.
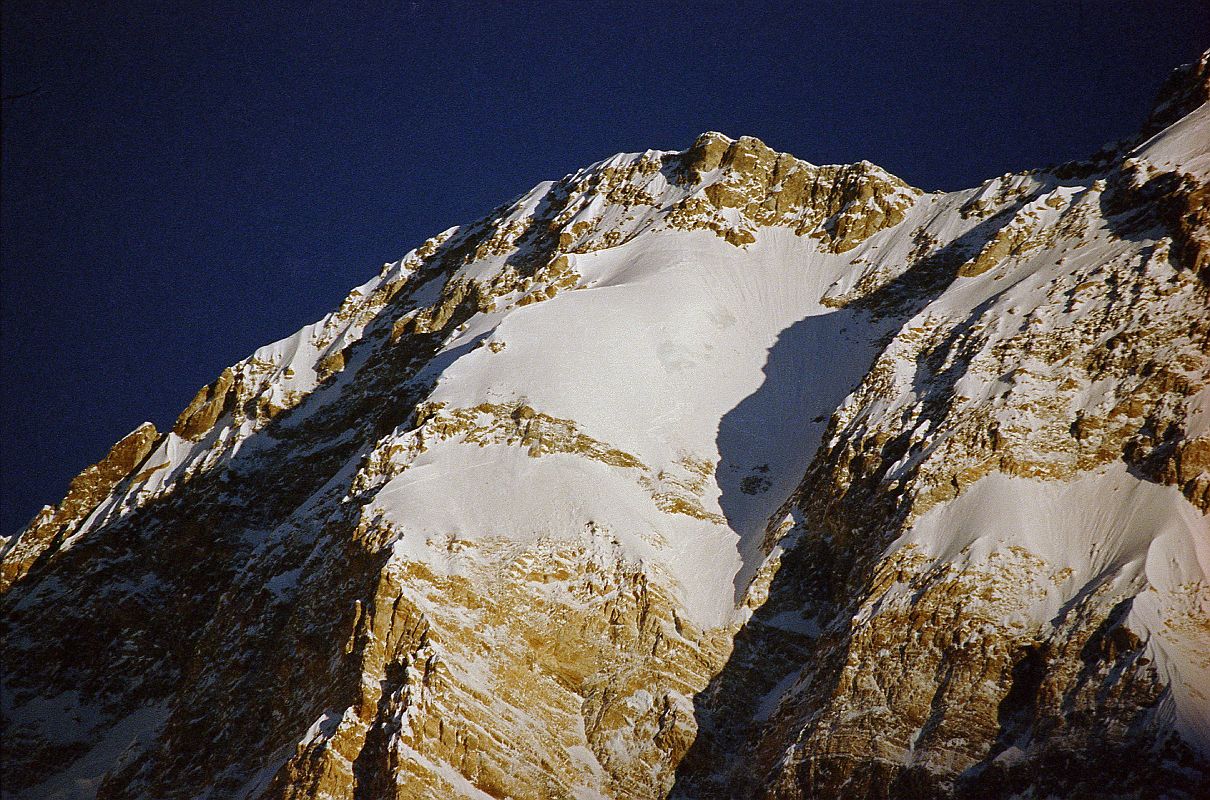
(766, 442)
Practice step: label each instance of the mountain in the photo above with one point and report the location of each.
(698, 474)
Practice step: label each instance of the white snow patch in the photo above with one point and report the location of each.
(119, 743)
(1144, 537)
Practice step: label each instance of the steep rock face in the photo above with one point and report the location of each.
(700, 474)
(87, 490)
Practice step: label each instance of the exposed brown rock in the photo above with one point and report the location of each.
(86, 491)
(840, 205)
(210, 403)
(329, 365)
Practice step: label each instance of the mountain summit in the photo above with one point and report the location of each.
(700, 474)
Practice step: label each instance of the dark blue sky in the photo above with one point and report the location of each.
(188, 184)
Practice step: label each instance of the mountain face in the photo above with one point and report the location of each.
(700, 474)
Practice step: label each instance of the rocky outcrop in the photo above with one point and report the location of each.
(593, 688)
(54, 524)
(840, 205)
(210, 403)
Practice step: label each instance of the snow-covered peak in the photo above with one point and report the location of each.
(712, 469)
